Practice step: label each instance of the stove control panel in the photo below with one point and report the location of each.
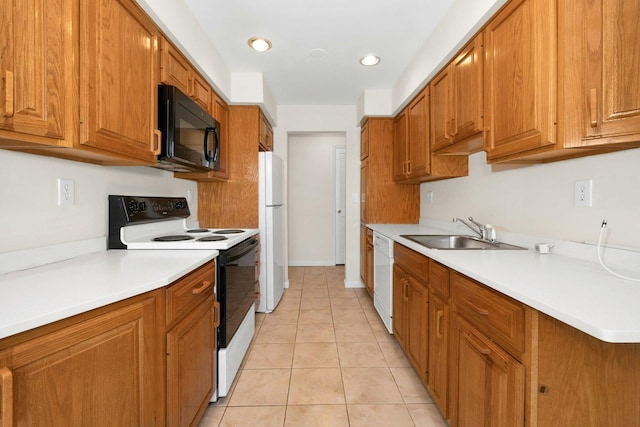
(131, 210)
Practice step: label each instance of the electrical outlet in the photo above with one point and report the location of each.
(65, 192)
(429, 197)
(583, 193)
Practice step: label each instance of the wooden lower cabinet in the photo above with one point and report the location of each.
(410, 310)
(584, 381)
(102, 369)
(487, 384)
(369, 263)
(145, 361)
(191, 358)
(192, 319)
(438, 364)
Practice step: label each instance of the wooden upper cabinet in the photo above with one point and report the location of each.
(265, 141)
(613, 74)
(36, 65)
(400, 131)
(520, 78)
(118, 79)
(364, 141)
(411, 152)
(418, 144)
(456, 103)
(364, 180)
(176, 70)
(599, 51)
(221, 114)
(412, 159)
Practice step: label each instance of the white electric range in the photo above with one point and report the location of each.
(157, 223)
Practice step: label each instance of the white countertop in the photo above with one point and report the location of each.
(52, 292)
(577, 292)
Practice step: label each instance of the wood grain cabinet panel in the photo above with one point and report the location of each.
(438, 357)
(176, 70)
(487, 384)
(575, 369)
(600, 89)
(191, 362)
(410, 307)
(456, 103)
(100, 370)
(118, 79)
(520, 78)
(413, 162)
(37, 71)
(265, 138)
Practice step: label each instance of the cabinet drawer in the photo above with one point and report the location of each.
(439, 279)
(188, 292)
(498, 316)
(412, 262)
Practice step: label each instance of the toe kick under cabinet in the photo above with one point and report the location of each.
(144, 361)
(494, 361)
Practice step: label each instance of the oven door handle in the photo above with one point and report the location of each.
(241, 250)
(209, 155)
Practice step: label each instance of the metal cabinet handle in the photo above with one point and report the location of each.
(200, 289)
(8, 92)
(6, 398)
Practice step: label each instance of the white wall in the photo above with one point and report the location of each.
(29, 214)
(330, 118)
(538, 199)
(311, 190)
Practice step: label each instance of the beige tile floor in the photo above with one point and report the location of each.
(324, 358)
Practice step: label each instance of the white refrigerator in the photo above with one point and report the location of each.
(271, 222)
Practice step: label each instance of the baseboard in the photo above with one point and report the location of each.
(354, 284)
(311, 263)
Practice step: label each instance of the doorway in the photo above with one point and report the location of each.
(313, 180)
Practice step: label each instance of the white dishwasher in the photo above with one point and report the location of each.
(383, 278)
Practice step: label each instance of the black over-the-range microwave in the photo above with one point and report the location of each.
(190, 136)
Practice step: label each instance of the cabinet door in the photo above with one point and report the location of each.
(363, 254)
(487, 383)
(191, 359)
(418, 326)
(118, 79)
(419, 148)
(400, 297)
(364, 141)
(364, 176)
(520, 78)
(400, 130)
(36, 66)
(467, 91)
(438, 381)
(370, 265)
(266, 134)
(441, 110)
(174, 68)
(104, 371)
(221, 114)
(611, 65)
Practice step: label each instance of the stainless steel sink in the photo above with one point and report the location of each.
(456, 242)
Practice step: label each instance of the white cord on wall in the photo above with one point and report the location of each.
(604, 225)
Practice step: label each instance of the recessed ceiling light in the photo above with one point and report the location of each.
(259, 43)
(370, 60)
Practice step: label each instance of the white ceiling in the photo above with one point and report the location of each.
(345, 29)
